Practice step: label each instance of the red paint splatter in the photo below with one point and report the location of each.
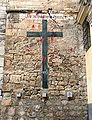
(33, 26)
(43, 59)
(43, 16)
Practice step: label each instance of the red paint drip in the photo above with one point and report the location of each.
(43, 59)
(43, 16)
(33, 26)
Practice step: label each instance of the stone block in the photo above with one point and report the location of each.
(1, 24)
(2, 51)
(6, 102)
(60, 87)
(7, 87)
(9, 118)
(1, 98)
(2, 15)
(21, 113)
(2, 43)
(15, 78)
(2, 30)
(8, 63)
(10, 32)
(32, 83)
(1, 83)
(21, 118)
(1, 77)
(6, 94)
(1, 61)
(1, 70)
(11, 111)
(2, 8)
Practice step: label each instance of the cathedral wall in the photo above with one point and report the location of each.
(22, 86)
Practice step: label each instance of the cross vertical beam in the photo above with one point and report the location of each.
(44, 55)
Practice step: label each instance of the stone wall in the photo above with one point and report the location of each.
(22, 71)
(2, 44)
(66, 5)
(2, 41)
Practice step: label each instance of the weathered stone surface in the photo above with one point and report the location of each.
(1, 70)
(2, 42)
(6, 102)
(15, 78)
(21, 118)
(1, 61)
(6, 95)
(21, 113)
(44, 4)
(7, 87)
(1, 83)
(22, 70)
(2, 50)
(11, 111)
(1, 76)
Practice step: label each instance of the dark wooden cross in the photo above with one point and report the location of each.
(44, 34)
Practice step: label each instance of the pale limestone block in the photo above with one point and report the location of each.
(2, 50)
(6, 95)
(1, 83)
(2, 8)
(10, 32)
(1, 70)
(21, 118)
(7, 87)
(6, 102)
(2, 15)
(15, 78)
(1, 1)
(2, 36)
(11, 111)
(1, 61)
(1, 97)
(1, 22)
(21, 113)
(1, 76)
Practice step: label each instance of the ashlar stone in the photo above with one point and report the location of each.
(7, 87)
(1, 83)
(15, 78)
(23, 56)
(11, 111)
(6, 102)
(21, 113)
(1, 77)
(1, 61)
(1, 70)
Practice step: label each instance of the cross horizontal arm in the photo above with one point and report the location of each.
(55, 34)
(49, 34)
(34, 34)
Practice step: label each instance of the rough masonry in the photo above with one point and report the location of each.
(22, 93)
(2, 41)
